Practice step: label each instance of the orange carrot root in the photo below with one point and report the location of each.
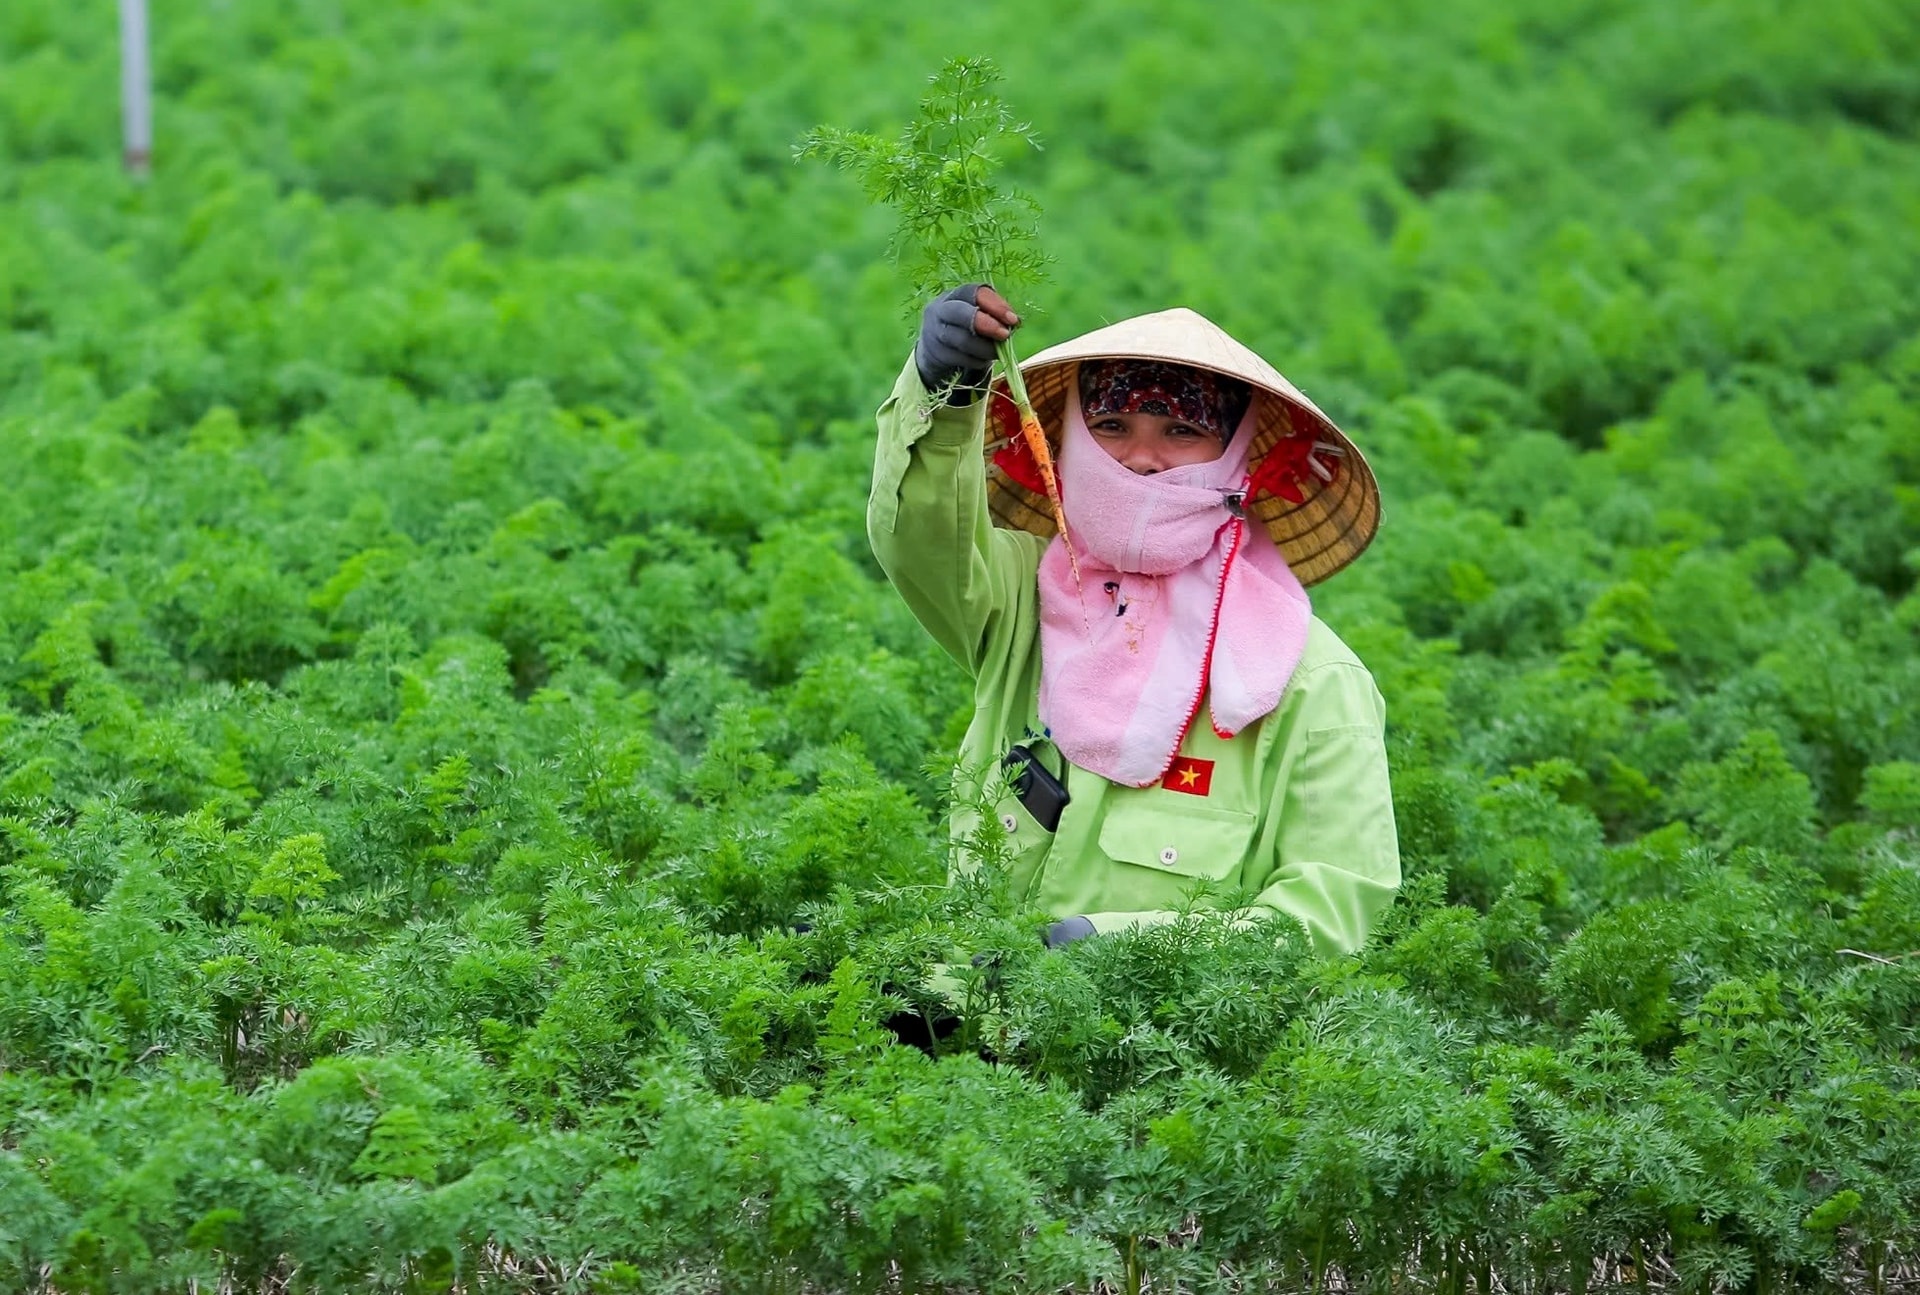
(1036, 439)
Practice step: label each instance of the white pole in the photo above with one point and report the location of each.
(136, 89)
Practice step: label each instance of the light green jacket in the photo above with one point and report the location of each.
(1298, 819)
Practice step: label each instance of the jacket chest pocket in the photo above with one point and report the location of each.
(1198, 842)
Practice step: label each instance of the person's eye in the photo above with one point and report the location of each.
(1110, 427)
(1180, 431)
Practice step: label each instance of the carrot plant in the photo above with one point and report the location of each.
(956, 225)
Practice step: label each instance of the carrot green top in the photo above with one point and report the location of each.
(1290, 816)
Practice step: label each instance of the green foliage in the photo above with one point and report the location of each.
(955, 225)
(297, 870)
(441, 667)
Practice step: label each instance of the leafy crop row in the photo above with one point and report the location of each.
(440, 664)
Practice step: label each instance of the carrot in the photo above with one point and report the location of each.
(954, 224)
(1036, 440)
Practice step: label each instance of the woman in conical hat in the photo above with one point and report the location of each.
(1174, 720)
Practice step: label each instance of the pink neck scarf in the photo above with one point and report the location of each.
(1185, 600)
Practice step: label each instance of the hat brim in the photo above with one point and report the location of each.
(1333, 522)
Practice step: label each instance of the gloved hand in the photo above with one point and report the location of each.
(958, 330)
(1067, 930)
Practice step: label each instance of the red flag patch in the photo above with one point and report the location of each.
(1190, 775)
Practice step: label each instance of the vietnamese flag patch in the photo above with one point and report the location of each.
(1190, 775)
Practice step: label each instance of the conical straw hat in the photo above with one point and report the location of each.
(1337, 517)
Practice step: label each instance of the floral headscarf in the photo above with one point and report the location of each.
(1211, 401)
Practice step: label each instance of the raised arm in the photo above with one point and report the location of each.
(964, 579)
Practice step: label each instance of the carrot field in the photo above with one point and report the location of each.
(470, 804)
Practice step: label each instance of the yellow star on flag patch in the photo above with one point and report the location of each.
(1189, 775)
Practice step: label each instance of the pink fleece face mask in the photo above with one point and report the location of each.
(1183, 599)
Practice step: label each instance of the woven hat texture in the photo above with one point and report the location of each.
(1335, 519)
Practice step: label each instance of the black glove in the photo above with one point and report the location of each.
(948, 346)
(1067, 930)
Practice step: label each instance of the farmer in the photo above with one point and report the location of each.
(1175, 722)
